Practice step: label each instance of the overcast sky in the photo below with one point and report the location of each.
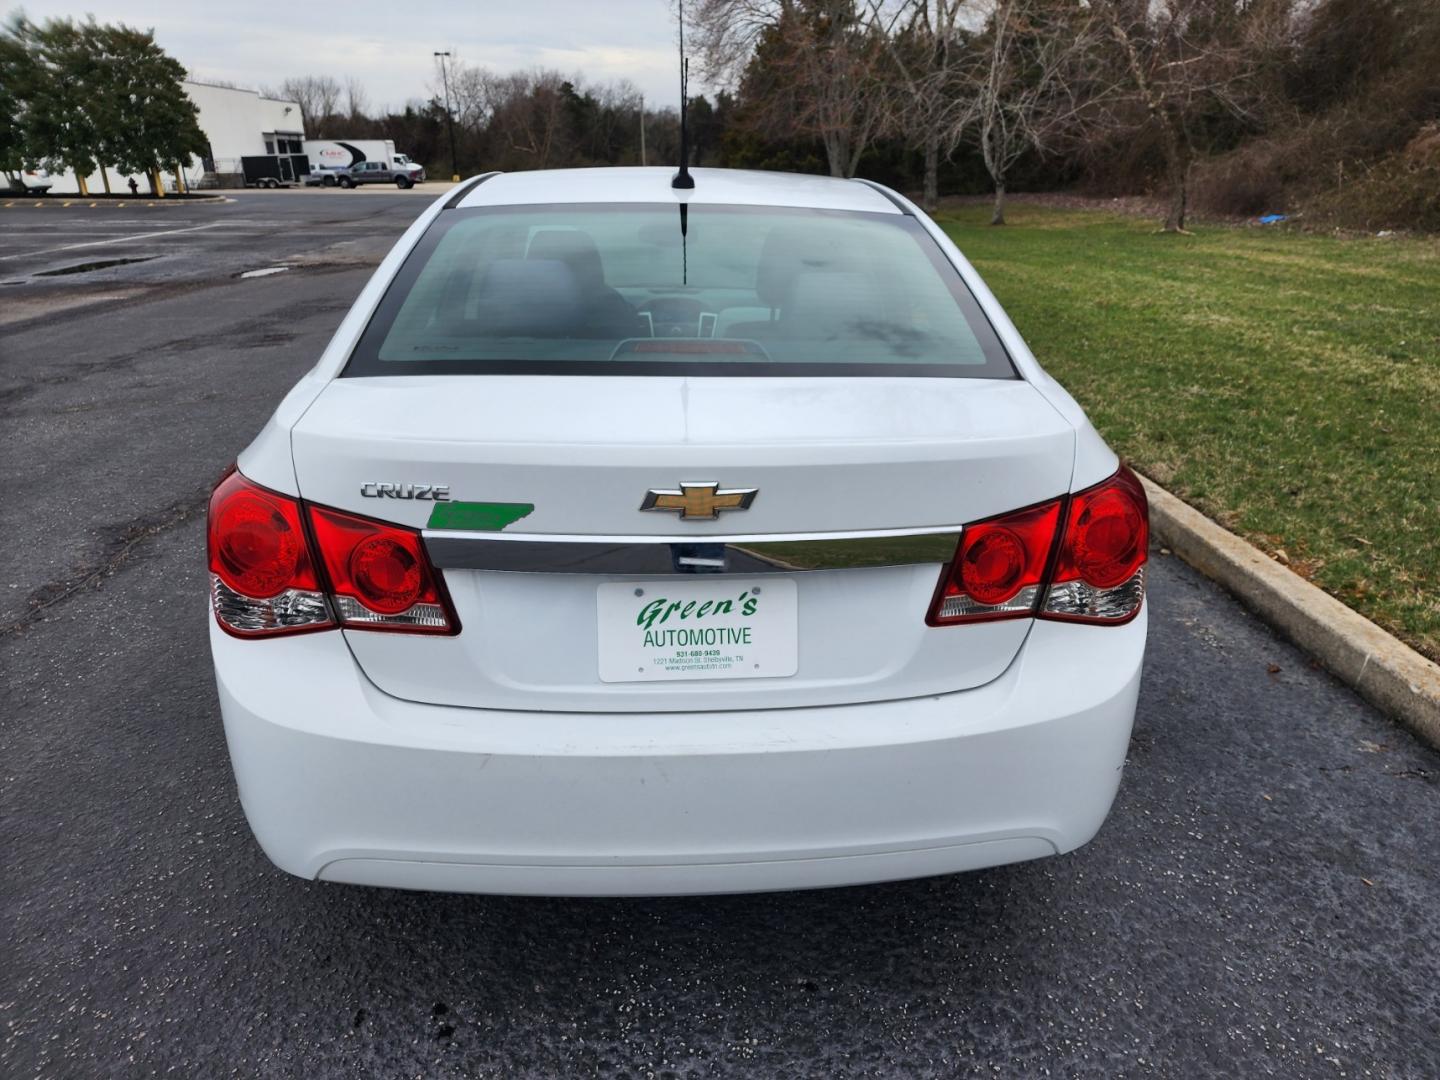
(388, 44)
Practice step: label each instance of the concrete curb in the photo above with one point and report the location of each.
(1384, 670)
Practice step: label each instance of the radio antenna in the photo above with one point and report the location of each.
(682, 179)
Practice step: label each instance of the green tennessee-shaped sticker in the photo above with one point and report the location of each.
(477, 516)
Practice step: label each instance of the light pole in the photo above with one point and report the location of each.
(642, 131)
(449, 118)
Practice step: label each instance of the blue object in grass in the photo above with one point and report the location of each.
(1271, 219)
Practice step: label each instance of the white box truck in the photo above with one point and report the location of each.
(350, 162)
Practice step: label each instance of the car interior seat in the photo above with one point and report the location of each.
(827, 304)
(789, 254)
(539, 298)
(607, 313)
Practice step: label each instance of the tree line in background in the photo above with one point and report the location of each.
(537, 119)
(1326, 107)
(1241, 106)
(1330, 107)
(84, 96)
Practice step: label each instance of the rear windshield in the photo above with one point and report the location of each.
(634, 289)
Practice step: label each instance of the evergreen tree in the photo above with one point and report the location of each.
(17, 74)
(87, 95)
(150, 123)
(59, 103)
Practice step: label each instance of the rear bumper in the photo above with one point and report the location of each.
(344, 783)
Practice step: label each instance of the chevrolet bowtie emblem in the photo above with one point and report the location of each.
(697, 501)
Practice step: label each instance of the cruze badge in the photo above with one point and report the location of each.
(698, 501)
(424, 492)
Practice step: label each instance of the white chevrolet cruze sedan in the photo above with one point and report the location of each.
(634, 540)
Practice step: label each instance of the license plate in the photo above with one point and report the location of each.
(716, 628)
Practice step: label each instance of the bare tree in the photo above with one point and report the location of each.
(1181, 60)
(470, 93)
(727, 32)
(1021, 84)
(357, 100)
(835, 59)
(526, 113)
(617, 102)
(924, 44)
(807, 67)
(318, 97)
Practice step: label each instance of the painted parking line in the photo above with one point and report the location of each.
(132, 204)
(19, 225)
(113, 240)
(52, 230)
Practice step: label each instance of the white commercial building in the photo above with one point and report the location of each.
(237, 124)
(241, 124)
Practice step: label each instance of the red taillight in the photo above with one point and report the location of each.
(999, 568)
(379, 575)
(262, 578)
(259, 548)
(387, 574)
(266, 569)
(1100, 569)
(1080, 558)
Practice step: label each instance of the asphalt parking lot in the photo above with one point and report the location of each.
(1264, 901)
(62, 253)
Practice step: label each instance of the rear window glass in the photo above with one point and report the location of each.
(630, 289)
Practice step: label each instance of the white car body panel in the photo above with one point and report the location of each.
(828, 455)
(730, 187)
(510, 657)
(350, 784)
(479, 762)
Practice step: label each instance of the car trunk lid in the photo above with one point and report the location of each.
(564, 465)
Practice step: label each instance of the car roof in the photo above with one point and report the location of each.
(652, 185)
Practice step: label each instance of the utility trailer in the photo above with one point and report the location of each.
(274, 170)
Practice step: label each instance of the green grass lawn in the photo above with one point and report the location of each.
(1288, 385)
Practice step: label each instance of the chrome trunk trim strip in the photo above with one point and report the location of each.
(761, 553)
